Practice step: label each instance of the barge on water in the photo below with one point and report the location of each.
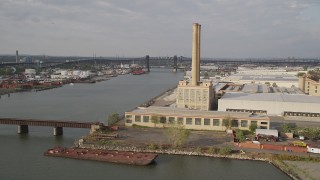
(133, 158)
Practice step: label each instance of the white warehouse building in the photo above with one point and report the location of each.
(271, 103)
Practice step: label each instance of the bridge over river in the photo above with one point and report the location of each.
(23, 124)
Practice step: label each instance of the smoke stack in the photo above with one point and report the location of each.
(17, 56)
(196, 28)
(198, 53)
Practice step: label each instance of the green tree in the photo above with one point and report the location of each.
(253, 127)
(176, 134)
(267, 84)
(274, 84)
(300, 74)
(113, 118)
(240, 135)
(311, 133)
(286, 128)
(227, 121)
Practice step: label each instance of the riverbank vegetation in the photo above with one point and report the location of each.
(176, 134)
(312, 133)
(113, 118)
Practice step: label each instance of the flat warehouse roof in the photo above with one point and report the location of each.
(186, 112)
(276, 97)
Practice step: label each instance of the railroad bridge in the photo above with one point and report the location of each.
(23, 124)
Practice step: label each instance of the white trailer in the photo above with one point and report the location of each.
(313, 149)
(268, 132)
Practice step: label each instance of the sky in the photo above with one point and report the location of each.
(135, 28)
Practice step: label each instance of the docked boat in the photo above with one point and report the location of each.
(133, 158)
(138, 72)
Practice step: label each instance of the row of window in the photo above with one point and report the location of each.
(192, 121)
(247, 110)
(301, 114)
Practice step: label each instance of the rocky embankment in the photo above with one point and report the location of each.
(192, 152)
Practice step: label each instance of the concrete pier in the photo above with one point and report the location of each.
(23, 129)
(57, 131)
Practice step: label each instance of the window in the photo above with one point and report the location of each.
(171, 119)
(264, 122)
(163, 120)
(188, 120)
(192, 95)
(180, 120)
(234, 123)
(128, 118)
(216, 122)
(207, 122)
(197, 121)
(145, 118)
(254, 122)
(128, 121)
(244, 123)
(137, 118)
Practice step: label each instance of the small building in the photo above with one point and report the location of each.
(194, 119)
(30, 73)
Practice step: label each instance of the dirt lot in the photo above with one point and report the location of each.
(143, 136)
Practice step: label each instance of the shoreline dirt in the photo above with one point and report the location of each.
(254, 156)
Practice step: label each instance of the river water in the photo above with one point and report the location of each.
(21, 156)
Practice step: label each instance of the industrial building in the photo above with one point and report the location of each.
(271, 104)
(279, 80)
(194, 119)
(195, 94)
(309, 86)
(193, 104)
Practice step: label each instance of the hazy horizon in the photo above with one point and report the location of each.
(230, 29)
(37, 55)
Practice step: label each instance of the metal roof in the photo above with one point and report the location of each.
(187, 112)
(278, 97)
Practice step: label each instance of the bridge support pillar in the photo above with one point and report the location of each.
(148, 63)
(57, 131)
(175, 63)
(23, 129)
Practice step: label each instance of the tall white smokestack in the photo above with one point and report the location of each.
(198, 52)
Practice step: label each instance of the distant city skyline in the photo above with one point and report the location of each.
(230, 29)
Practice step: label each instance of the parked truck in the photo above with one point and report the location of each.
(299, 143)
